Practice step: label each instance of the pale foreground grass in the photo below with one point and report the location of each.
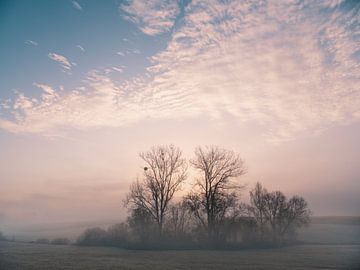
(36, 256)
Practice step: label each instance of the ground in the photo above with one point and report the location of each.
(25, 256)
(331, 243)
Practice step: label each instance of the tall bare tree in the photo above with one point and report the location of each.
(258, 207)
(218, 168)
(164, 172)
(276, 206)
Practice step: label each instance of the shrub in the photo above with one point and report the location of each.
(118, 235)
(93, 237)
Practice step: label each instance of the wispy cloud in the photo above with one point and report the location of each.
(76, 5)
(31, 42)
(153, 17)
(289, 68)
(118, 69)
(62, 60)
(80, 47)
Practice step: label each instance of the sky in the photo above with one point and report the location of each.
(87, 85)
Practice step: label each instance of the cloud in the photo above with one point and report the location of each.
(48, 91)
(290, 68)
(118, 69)
(31, 42)
(80, 47)
(99, 102)
(76, 5)
(62, 60)
(152, 17)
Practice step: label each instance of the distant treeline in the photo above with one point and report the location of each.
(211, 215)
(55, 241)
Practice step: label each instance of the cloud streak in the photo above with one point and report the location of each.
(76, 5)
(80, 47)
(31, 42)
(62, 60)
(290, 68)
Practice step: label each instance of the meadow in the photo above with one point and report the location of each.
(327, 244)
(50, 257)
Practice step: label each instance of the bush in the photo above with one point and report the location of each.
(93, 237)
(117, 235)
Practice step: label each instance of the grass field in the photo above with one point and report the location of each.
(331, 243)
(36, 256)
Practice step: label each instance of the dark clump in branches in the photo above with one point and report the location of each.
(211, 215)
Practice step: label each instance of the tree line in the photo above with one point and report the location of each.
(211, 215)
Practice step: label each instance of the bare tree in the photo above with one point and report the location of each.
(274, 212)
(178, 221)
(218, 168)
(297, 214)
(164, 172)
(258, 208)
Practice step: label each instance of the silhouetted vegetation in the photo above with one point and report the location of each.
(211, 215)
(214, 199)
(164, 172)
(93, 237)
(277, 218)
